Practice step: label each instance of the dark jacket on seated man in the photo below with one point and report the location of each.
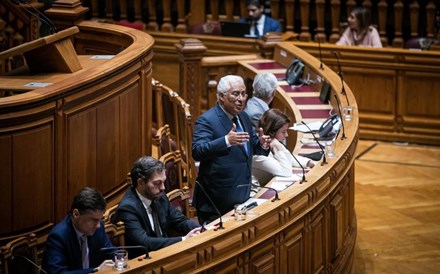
(63, 252)
(148, 175)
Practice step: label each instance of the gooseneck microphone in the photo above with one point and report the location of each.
(220, 225)
(43, 18)
(324, 160)
(296, 159)
(147, 256)
(321, 67)
(341, 76)
(340, 117)
(29, 261)
(276, 193)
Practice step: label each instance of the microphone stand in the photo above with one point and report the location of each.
(147, 256)
(296, 159)
(340, 76)
(30, 261)
(319, 46)
(324, 161)
(42, 17)
(220, 226)
(340, 117)
(276, 193)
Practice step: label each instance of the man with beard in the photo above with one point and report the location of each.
(224, 142)
(260, 23)
(146, 211)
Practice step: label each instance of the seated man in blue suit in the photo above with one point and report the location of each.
(260, 23)
(74, 244)
(146, 211)
(224, 142)
(264, 85)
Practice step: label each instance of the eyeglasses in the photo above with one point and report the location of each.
(237, 93)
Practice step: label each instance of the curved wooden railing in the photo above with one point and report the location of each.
(85, 128)
(311, 229)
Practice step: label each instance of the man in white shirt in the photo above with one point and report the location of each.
(260, 23)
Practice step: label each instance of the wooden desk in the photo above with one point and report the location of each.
(85, 129)
(312, 229)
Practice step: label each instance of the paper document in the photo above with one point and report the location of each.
(314, 126)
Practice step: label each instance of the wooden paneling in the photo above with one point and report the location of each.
(292, 254)
(32, 177)
(291, 235)
(85, 129)
(6, 183)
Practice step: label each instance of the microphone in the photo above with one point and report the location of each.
(275, 198)
(324, 161)
(30, 261)
(147, 256)
(42, 17)
(340, 76)
(319, 46)
(296, 159)
(276, 193)
(220, 226)
(340, 116)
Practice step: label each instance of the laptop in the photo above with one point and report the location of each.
(235, 29)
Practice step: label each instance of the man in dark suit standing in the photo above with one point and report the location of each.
(224, 143)
(146, 211)
(74, 244)
(260, 23)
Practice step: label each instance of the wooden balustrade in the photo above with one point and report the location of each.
(310, 19)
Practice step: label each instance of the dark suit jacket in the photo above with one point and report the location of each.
(138, 229)
(270, 24)
(222, 169)
(62, 253)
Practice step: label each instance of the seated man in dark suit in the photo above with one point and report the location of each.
(146, 211)
(73, 246)
(260, 23)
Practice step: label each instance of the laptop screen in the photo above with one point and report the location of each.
(235, 29)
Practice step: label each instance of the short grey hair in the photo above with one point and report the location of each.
(264, 85)
(225, 83)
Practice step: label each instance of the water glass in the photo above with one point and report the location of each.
(121, 259)
(347, 113)
(330, 149)
(240, 212)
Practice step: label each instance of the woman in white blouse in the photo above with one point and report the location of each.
(279, 162)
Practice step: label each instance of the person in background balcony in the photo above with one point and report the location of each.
(148, 215)
(260, 23)
(280, 161)
(264, 86)
(359, 31)
(73, 245)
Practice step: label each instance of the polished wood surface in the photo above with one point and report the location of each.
(84, 129)
(311, 229)
(397, 208)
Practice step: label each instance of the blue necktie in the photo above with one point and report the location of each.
(239, 129)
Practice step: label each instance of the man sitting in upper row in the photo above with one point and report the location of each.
(260, 23)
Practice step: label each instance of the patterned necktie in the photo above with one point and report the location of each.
(84, 255)
(239, 129)
(155, 220)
